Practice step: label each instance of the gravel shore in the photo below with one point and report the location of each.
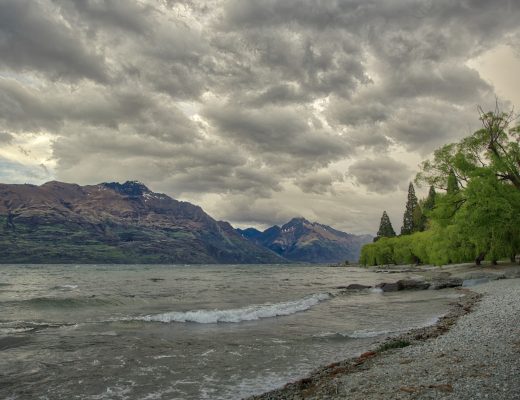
(467, 355)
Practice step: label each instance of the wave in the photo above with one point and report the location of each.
(362, 334)
(13, 327)
(60, 302)
(249, 313)
(366, 334)
(65, 287)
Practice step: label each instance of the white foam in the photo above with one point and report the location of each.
(65, 287)
(366, 334)
(249, 313)
(362, 334)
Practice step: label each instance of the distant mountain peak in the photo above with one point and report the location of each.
(129, 188)
(296, 221)
(302, 240)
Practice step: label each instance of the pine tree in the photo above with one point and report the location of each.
(411, 205)
(453, 186)
(429, 203)
(426, 207)
(385, 227)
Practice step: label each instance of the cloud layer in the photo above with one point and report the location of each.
(256, 110)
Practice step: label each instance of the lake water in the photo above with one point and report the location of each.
(188, 332)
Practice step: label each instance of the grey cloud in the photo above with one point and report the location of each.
(6, 137)
(454, 83)
(127, 15)
(221, 179)
(242, 210)
(319, 182)
(31, 38)
(23, 108)
(357, 112)
(380, 175)
(283, 94)
(272, 93)
(430, 124)
(277, 130)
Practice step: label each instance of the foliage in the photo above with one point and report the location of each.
(385, 227)
(411, 216)
(393, 344)
(426, 206)
(478, 215)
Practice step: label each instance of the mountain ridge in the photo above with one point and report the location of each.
(114, 223)
(305, 241)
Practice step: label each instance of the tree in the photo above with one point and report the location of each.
(495, 147)
(481, 176)
(452, 185)
(409, 225)
(478, 214)
(385, 227)
(426, 207)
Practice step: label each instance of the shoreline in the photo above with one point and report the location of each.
(352, 377)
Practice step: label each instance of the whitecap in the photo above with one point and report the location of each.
(363, 334)
(248, 313)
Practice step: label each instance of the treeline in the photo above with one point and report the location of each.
(475, 215)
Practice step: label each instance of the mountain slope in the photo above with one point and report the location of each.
(301, 240)
(114, 223)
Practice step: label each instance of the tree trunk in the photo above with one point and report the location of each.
(479, 258)
(494, 262)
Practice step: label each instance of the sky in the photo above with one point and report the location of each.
(258, 111)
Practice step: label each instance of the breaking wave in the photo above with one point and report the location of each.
(248, 313)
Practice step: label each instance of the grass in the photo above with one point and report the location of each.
(393, 344)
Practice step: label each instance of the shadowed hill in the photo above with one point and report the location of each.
(114, 223)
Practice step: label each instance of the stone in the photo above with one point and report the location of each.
(355, 286)
(403, 284)
(388, 287)
(446, 283)
(411, 284)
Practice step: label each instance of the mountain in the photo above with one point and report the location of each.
(114, 223)
(301, 240)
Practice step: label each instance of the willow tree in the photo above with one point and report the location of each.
(481, 177)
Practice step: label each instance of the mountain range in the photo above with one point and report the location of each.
(304, 241)
(128, 223)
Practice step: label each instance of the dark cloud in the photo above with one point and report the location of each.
(277, 130)
(23, 108)
(380, 175)
(6, 137)
(32, 37)
(129, 16)
(262, 104)
(319, 182)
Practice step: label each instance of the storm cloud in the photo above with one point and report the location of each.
(256, 110)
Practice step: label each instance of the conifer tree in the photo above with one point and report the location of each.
(453, 186)
(426, 207)
(408, 218)
(429, 203)
(385, 227)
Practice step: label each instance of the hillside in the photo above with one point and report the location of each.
(114, 223)
(301, 240)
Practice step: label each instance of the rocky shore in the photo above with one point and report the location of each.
(473, 352)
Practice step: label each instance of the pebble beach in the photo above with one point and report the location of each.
(471, 353)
